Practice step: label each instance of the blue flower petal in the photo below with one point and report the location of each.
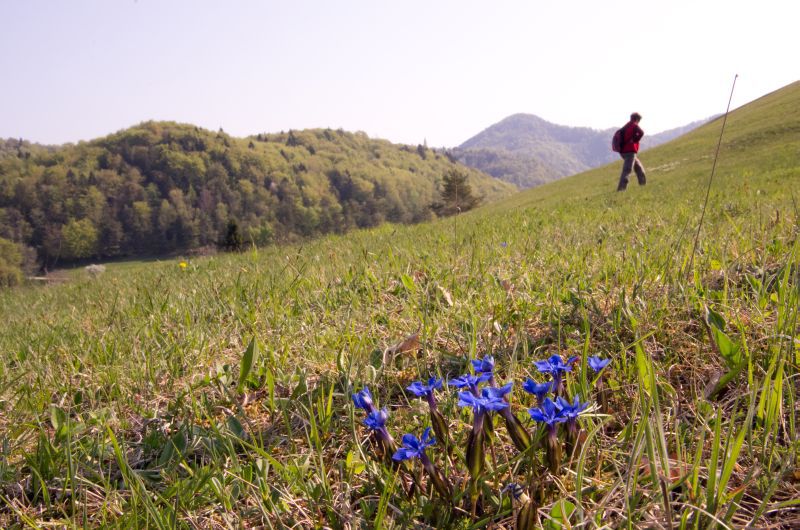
(376, 419)
(571, 411)
(410, 441)
(427, 439)
(540, 390)
(483, 403)
(469, 380)
(418, 389)
(434, 383)
(363, 399)
(549, 413)
(543, 366)
(414, 447)
(485, 365)
(498, 392)
(555, 365)
(495, 404)
(537, 414)
(402, 454)
(597, 364)
(466, 399)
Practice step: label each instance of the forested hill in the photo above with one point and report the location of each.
(160, 187)
(528, 151)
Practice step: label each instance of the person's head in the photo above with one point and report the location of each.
(636, 117)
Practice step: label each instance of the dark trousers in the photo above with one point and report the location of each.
(631, 162)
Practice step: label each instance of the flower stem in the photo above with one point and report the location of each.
(440, 483)
(519, 435)
(553, 450)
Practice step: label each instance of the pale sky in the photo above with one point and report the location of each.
(407, 71)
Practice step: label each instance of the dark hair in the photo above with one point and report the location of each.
(636, 117)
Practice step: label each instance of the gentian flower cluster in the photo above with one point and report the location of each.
(478, 391)
(488, 400)
(551, 413)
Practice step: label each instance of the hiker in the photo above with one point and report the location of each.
(630, 146)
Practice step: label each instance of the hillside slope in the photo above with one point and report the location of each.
(528, 151)
(172, 394)
(760, 138)
(161, 187)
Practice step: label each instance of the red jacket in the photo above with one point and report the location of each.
(630, 138)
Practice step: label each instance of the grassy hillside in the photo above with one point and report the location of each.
(216, 392)
(528, 151)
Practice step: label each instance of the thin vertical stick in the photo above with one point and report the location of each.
(711, 178)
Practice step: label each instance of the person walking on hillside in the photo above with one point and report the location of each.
(630, 146)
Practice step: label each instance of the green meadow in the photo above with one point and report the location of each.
(217, 394)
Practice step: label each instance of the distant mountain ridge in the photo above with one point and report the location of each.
(527, 151)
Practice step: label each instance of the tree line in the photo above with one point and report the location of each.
(162, 187)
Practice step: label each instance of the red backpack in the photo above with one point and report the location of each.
(618, 140)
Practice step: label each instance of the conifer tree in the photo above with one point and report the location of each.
(233, 238)
(456, 196)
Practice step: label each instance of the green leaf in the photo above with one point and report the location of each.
(354, 464)
(302, 387)
(174, 447)
(644, 367)
(714, 319)
(559, 515)
(730, 351)
(58, 417)
(771, 397)
(167, 453)
(236, 428)
(725, 379)
(248, 360)
(408, 282)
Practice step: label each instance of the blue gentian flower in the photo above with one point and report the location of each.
(540, 390)
(519, 435)
(549, 413)
(413, 447)
(376, 420)
(420, 389)
(481, 405)
(571, 411)
(556, 367)
(485, 365)
(486, 402)
(597, 364)
(470, 381)
(363, 400)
